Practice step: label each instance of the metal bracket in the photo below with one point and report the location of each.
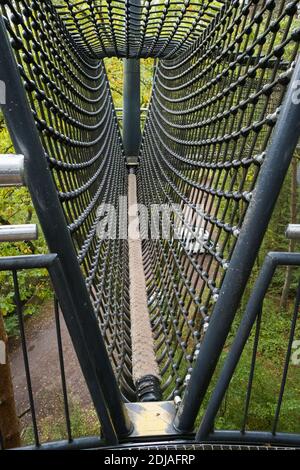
(152, 419)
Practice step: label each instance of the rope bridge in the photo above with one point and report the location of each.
(222, 75)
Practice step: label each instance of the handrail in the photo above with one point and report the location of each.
(252, 311)
(11, 170)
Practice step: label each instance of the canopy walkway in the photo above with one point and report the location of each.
(149, 314)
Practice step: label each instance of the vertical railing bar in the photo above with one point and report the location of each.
(25, 356)
(287, 360)
(252, 368)
(62, 369)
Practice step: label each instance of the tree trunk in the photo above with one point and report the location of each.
(292, 243)
(9, 423)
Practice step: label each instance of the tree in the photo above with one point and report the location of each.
(9, 423)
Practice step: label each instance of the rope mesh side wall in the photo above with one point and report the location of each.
(71, 102)
(210, 120)
(213, 109)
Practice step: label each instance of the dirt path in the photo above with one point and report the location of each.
(44, 368)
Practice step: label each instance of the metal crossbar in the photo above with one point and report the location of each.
(219, 136)
(211, 117)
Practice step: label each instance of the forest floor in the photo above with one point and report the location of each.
(45, 371)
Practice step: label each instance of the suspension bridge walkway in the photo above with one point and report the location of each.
(148, 314)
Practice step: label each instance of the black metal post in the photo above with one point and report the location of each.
(99, 373)
(132, 99)
(255, 303)
(271, 177)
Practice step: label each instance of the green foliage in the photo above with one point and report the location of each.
(147, 70)
(114, 70)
